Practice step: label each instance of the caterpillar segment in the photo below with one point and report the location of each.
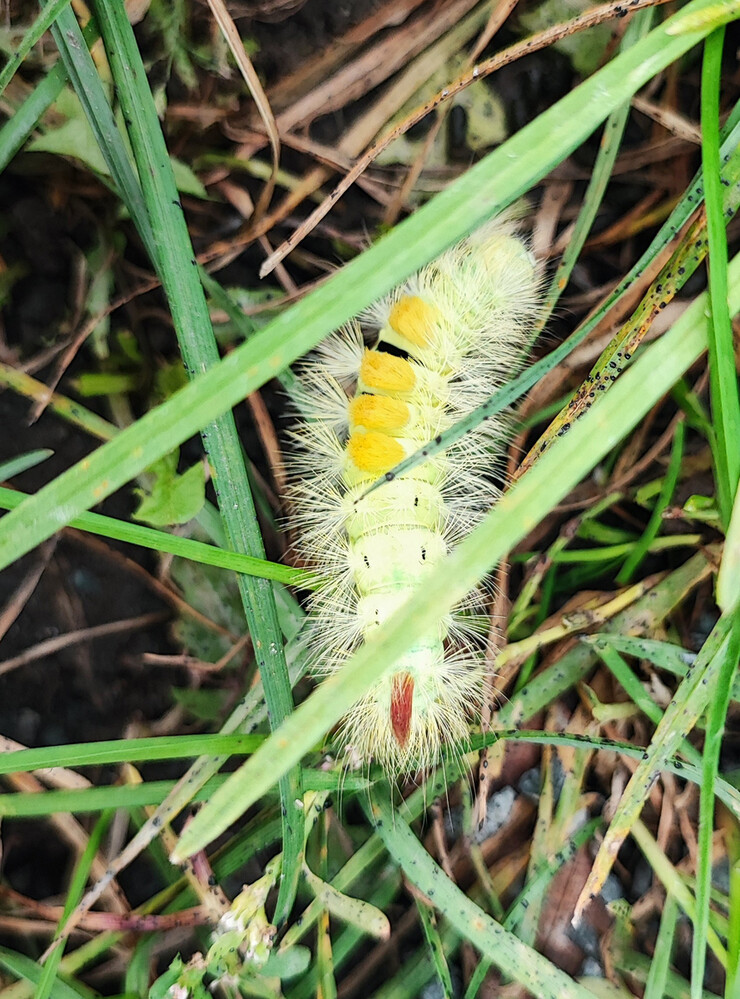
(439, 346)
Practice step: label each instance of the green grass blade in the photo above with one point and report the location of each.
(346, 943)
(181, 282)
(729, 795)
(476, 979)
(674, 885)
(28, 804)
(721, 12)
(488, 187)
(354, 911)
(728, 581)
(603, 166)
(42, 24)
(95, 754)
(416, 977)
(246, 716)
(76, 887)
(512, 518)
(536, 887)
(70, 410)
(436, 948)
(507, 952)
(609, 553)
(719, 702)
(657, 979)
(89, 89)
(638, 695)
(23, 462)
(650, 533)
(732, 985)
(159, 541)
(19, 126)
(646, 614)
(664, 655)
(722, 373)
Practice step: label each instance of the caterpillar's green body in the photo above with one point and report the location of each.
(444, 341)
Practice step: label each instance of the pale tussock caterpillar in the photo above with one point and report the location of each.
(440, 344)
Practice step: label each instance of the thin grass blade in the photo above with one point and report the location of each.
(722, 372)
(186, 298)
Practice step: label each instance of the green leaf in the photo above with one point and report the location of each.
(288, 963)
(74, 138)
(173, 498)
(215, 594)
(206, 705)
(187, 182)
(354, 911)
(105, 383)
(164, 983)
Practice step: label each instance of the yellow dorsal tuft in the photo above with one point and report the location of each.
(382, 372)
(374, 452)
(377, 412)
(413, 318)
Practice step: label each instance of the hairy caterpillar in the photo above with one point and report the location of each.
(441, 344)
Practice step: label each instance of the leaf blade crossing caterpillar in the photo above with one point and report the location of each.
(443, 342)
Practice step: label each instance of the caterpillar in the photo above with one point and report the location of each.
(437, 347)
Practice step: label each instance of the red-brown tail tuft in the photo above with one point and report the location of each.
(402, 702)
